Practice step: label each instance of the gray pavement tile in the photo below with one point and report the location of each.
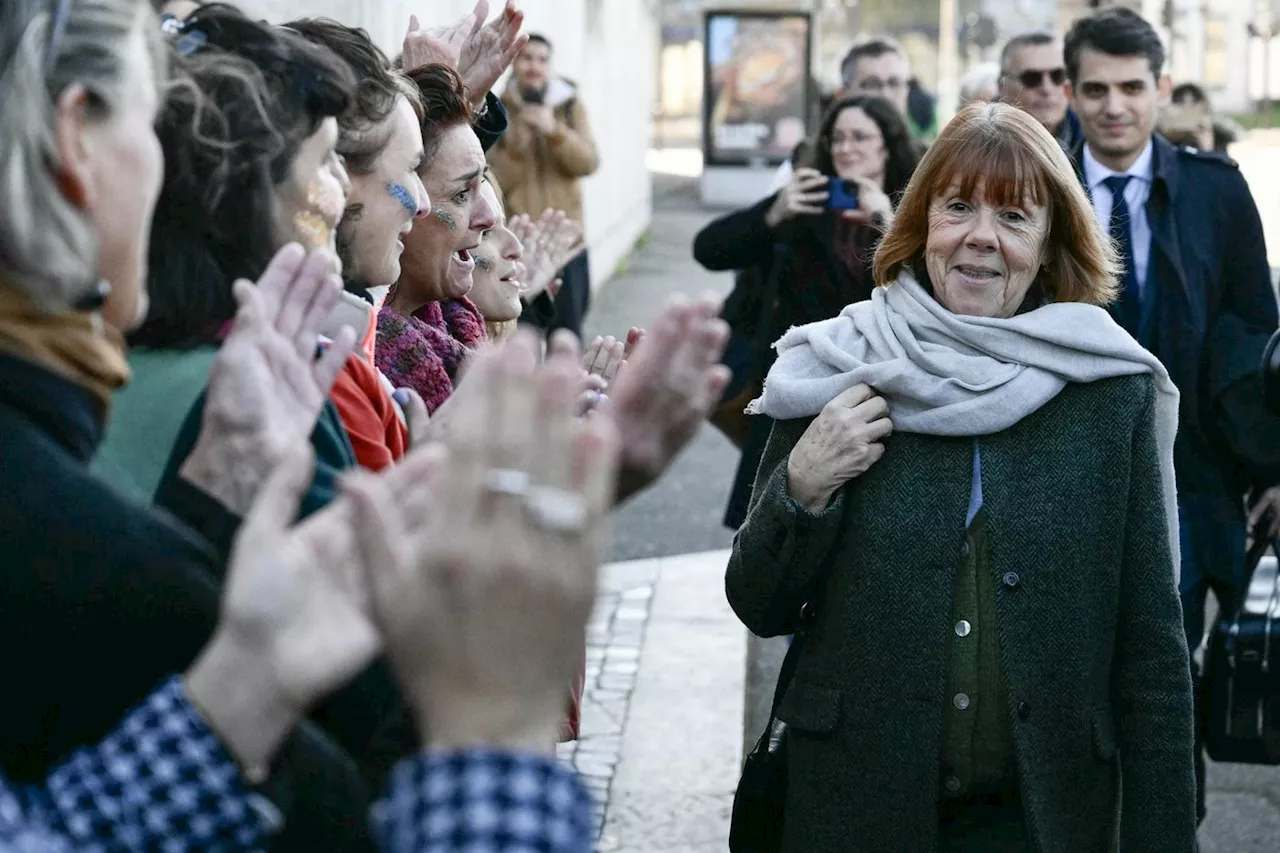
(1240, 823)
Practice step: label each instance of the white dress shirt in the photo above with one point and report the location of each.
(1136, 193)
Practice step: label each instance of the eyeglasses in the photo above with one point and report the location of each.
(1032, 78)
(836, 140)
(56, 32)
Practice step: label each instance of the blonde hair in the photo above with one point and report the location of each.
(1014, 157)
(47, 247)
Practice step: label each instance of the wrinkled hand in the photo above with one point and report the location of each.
(266, 387)
(292, 627)
(1267, 503)
(841, 443)
(604, 358)
(672, 382)
(549, 243)
(805, 195)
(491, 48)
(482, 607)
(874, 207)
(436, 46)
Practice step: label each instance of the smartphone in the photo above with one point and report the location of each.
(842, 195)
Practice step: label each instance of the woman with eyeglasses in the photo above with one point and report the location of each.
(809, 246)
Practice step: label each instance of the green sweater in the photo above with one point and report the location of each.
(147, 414)
(1087, 623)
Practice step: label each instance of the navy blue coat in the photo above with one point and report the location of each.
(1215, 309)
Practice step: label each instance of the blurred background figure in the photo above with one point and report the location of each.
(1189, 105)
(541, 161)
(1034, 79)
(980, 84)
(880, 68)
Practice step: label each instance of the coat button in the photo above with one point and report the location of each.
(965, 549)
(806, 613)
(1011, 579)
(963, 628)
(1024, 711)
(961, 701)
(952, 784)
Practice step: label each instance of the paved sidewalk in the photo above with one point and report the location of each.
(662, 714)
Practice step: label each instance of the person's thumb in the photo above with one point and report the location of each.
(416, 417)
(276, 507)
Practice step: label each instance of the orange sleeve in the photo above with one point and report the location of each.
(369, 416)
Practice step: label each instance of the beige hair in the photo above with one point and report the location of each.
(47, 248)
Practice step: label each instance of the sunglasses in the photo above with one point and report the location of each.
(1032, 79)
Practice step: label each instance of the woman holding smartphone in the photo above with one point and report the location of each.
(807, 249)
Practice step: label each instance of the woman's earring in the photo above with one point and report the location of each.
(94, 298)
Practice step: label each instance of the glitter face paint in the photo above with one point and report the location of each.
(314, 223)
(401, 194)
(443, 215)
(482, 263)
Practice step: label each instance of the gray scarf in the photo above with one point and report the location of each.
(956, 375)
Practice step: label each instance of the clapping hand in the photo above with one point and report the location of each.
(672, 381)
(482, 600)
(491, 49)
(549, 244)
(267, 386)
(438, 45)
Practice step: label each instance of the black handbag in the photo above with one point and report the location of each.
(1242, 673)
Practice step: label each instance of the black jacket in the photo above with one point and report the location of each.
(812, 283)
(1215, 311)
(104, 598)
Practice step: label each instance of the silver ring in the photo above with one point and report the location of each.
(507, 481)
(557, 510)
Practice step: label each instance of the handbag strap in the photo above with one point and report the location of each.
(785, 674)
(1252, 559)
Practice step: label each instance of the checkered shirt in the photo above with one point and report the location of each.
(160, 782)
(482, 801)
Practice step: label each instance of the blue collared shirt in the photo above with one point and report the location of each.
(1136, 194)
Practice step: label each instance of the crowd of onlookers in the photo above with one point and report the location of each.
(301, 524)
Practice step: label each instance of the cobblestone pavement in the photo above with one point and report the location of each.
(614, 640)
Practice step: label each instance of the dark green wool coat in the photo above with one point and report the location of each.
(1088, 619)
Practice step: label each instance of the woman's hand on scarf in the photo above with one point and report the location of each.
(482, 598)
(804, 195)
(841, 443)
(267, 385)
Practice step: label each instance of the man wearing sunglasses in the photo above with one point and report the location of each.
(1033, 78)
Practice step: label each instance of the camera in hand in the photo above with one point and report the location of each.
(842, 194)
(532, 97)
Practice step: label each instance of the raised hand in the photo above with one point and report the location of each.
(482, 600)
(491, 48)
(267, 386)
(438, 45)
(841, 443)
(292, 627)
(673, 380)
(549, 243)
(604, 358)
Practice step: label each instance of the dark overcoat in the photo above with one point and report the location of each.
(1088, 619)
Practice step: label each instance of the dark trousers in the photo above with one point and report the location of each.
(571, 302)
(1212, 533)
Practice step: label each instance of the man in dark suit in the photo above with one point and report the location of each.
(1196, 292)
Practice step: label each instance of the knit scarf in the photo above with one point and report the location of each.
(424, 350)
(77, 346)
(949, 374)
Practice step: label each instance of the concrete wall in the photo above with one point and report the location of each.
(610, 49)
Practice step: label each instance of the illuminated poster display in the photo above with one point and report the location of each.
(757, 86)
